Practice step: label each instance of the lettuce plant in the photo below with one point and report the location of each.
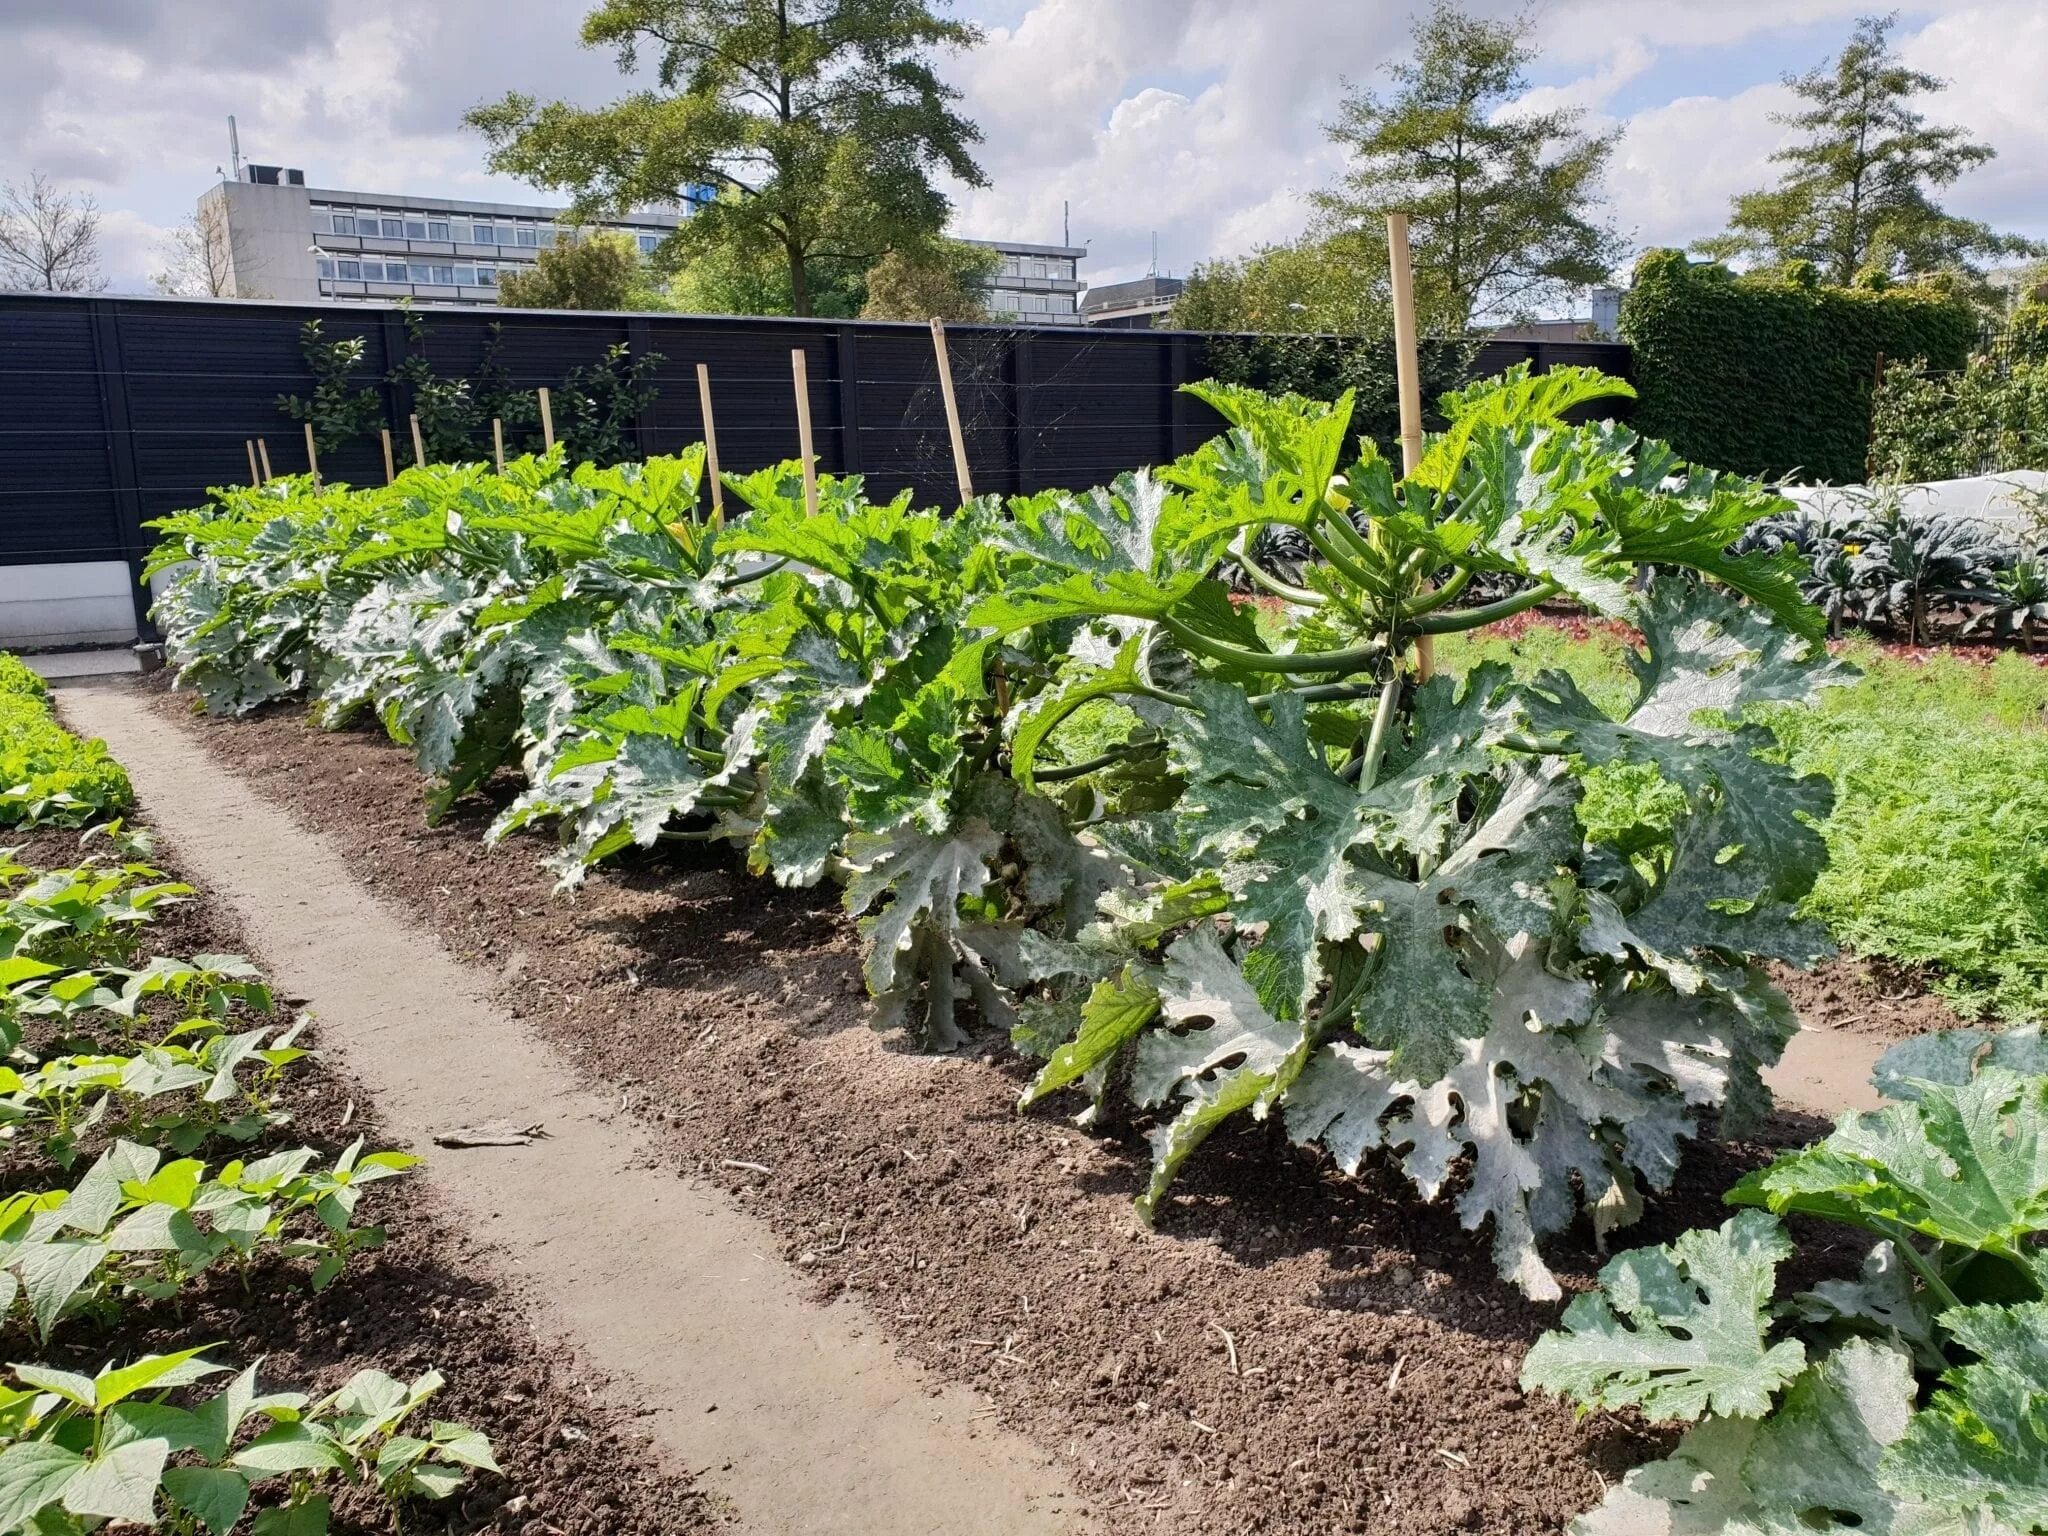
(1912, 1399)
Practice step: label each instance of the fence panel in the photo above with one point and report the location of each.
(116, 410)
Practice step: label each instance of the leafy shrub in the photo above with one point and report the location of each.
(1986, 418)
(1910, 1399)
(48, 775)
(1765, 376)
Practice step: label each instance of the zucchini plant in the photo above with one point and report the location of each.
(1234, 858)
(1911, 1399)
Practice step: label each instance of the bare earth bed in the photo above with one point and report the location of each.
(1291, 1351)
(418, 1303)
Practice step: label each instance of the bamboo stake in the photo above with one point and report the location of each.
(960, 470)
(800, 366)
(547, 420)
(1407, 371)
(263, 448)
(419, 445)
(255, 474)
(390, 463)
(498, 442)
(711, 447)
(312, 456)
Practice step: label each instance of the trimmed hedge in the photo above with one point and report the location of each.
(1771, 374)
(48, 775)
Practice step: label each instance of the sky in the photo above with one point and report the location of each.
(1195, 122)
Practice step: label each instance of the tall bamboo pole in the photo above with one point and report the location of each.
(800, 367)
(255, 474)
(960, 470)
(547, 420)
(419, 446)
(263, 449)
(312, 457)
(390, 463)
(1408, 375)
(711, 446)
(498, 442)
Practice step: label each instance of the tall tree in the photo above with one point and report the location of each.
(1503, 203)
(1856, 189)
(49, 238)
(949, 280)
(821, 123)
(198, 260)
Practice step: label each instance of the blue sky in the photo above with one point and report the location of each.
(1198, 119)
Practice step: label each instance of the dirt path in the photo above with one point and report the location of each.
(801, 1415)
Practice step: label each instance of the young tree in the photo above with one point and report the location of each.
(197, 260)
(49, 238)
(949, 280)
(592, 271)
(1502, 203)
(1855, 193)
(821, 122)
(1330, 285)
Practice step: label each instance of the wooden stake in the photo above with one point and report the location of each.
(312, 457)
(263, 449)
(960, 470)
(498, 442)
(547, 419)
(800, 366)
(711, 447)
(1408, 375)
(419, 444)
(255, 474)
(390, 464)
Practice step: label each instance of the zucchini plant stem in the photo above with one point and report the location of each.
(1261, 577)
(1459, 619)
(1382, 733)
(1354, 659)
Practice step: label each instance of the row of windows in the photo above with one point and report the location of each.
(389, 226)
(448, 274)
(1038, 266)
(1032, 303)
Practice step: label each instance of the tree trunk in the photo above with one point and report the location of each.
(799, 282)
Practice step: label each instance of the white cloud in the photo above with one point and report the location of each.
(1200, 119)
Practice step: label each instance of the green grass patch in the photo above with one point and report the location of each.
(48, 775)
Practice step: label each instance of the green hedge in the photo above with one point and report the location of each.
(48, 775)
(1771, 374)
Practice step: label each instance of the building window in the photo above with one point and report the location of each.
(528, 234)
(486, 276)
(352, 270)
(648, 244)
(445, 276)
(486, 234)
(437, 229)
(1059, 304)
(393, 229)
(326, 267)
(344, 223)
(415, 229)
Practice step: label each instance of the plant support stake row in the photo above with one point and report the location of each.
(800, 366)
(1401, 273)
(960, 471)
(710, 446)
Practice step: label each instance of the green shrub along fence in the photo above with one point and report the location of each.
(1772, 374)
(1990, 416)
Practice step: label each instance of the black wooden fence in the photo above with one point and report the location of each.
(114, 411)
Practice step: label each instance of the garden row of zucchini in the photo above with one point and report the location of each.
(1222, 858)
(127, 1088)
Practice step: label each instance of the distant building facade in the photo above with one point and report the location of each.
(1133, 306)
(286, 240)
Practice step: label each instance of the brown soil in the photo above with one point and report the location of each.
(418, 1303)
(1291, 1351)
(1865, 995)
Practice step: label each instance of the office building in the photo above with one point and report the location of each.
(1133, 306)
(286, 240)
